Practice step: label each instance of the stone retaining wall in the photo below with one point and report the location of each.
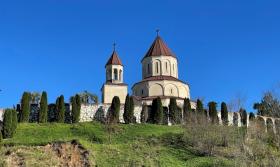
(99, 112)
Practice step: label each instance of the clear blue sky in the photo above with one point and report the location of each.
(224, 48)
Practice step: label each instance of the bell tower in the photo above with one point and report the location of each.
(114, 85)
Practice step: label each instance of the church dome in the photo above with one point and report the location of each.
(159, 60)
(159, 48)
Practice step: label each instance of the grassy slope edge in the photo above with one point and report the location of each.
(129, 145)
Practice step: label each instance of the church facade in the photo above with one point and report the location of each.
(160, 77)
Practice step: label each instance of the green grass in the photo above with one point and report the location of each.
(130, 145)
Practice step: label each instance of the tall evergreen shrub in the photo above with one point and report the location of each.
(43, 112)
(224, 113)
(25, 107)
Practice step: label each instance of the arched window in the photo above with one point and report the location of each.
(166, 66)
(171, 91)
(142, 92)
(149, 71)
(120, 75)
(157, 68)
(110, 75)
(115, 74)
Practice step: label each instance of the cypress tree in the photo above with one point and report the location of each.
(7, 124)
(79, 105)
(1, 139)
(243, 116)
(131, 110)
(115, 110)
(157, 111)
(56, 109)
(235, 119)
(224, 113)
(61, 109)
(43, 112)
(187, 110)
(199, 106)
(173, 111)
(213, 112)
(126, 115)
(76, 108)
(269, 125)
(251, 116)
(144, 114)
(25, 107)
(199, 115)
(14, 121)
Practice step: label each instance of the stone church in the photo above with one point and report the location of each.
(160, 77)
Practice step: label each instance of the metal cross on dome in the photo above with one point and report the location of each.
(114, 46)
(157, 30)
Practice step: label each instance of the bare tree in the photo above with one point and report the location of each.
(88, 98)
(237, 102)
(35, 97)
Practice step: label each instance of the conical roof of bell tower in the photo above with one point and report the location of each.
(114, 59)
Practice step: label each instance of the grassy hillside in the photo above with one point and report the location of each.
(122, 145)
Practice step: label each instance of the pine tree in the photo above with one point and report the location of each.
(187, 110)
(43, 112)
(60, 109)
(126, 109)
(157, 111)
(173, 111)
(114, 110)
(25, 107)
(213, 112)
(7, 124)
(224, 113)
(243, 116)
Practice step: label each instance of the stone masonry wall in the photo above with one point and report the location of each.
(98, 112)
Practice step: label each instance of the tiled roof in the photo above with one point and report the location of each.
(114, 59)
(159, 48)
